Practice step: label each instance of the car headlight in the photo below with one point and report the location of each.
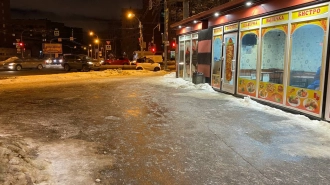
(11, 64)
(90, 63)
(54, 60)
(60, 60)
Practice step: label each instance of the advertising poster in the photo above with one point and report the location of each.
(271, 92)
(52, 48)
(304, 99)
(216, 65)
(247, 86)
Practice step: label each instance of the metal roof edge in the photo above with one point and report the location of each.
(208, 12)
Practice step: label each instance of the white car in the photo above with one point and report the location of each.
(147, 64)
(19, 64)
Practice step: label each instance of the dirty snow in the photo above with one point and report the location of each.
(18, 158)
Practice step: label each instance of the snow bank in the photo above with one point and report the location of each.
(179, 83)
(70, 77)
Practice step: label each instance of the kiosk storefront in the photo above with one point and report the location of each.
(282, 58)
(188, 46)
(279, 58)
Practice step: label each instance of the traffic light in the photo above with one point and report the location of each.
(21, 44)
(173, 44)
(153, 49)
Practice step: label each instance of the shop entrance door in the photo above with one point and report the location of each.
(228, 77)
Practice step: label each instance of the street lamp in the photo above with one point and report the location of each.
(153, 32)
(22, 51)
(96, 41)
(88, 50)
(140, 26)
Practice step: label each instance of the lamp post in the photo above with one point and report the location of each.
(96, 41)
(153, 32)
(22, 41)
(89, 46)
(140, 26)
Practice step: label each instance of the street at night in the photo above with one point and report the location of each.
(139, 127)
(164, 92)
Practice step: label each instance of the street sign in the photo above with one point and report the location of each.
(17, 40)
(100, 53)
(59, 39)
(51, 48)
(108, 42)
(18, 50)
(71, 38)
(18, 46)
(167, 43)
(107, 47)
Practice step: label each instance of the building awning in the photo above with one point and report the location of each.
(222, 9)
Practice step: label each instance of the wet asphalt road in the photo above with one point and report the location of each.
(162, 135)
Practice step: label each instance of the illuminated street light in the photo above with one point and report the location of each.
(91, 33)
(140, 26)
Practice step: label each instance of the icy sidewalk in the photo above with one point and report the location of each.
(305, 148)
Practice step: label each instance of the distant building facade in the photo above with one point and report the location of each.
(114, 35)
(34, 32)
(5, 31)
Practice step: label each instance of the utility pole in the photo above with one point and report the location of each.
(165, 33)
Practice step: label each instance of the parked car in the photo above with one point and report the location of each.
(147, 64)
(80, 62)
(19, 64)
(117, 61)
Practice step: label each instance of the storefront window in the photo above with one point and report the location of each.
(306, 57)
(194, 50)
(272, 64)
(187, 69)
(273, 54)
(181, 59)
(248, 63)
(216, 63)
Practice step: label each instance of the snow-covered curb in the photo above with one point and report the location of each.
(78, 76)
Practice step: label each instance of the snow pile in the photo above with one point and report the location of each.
(179, 83)
(17, 165)
(78, 76)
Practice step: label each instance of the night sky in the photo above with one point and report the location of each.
(87, 14)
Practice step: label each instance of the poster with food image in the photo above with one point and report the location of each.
(229, 59)
(271, 92)
(304, 99)
(247, 86)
